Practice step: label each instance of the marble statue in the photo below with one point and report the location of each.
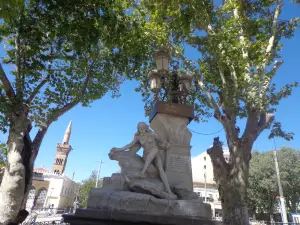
(151, 144)
(155, 187)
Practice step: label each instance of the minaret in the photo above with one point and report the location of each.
(62, 152)
(67, 134)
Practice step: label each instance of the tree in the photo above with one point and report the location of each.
(239, 44)
(263, 188)
(64, 53)
(289, 165)
(85, 188)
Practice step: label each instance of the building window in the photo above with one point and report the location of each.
(59, 161)
(41, 197)
(204, 158)
(31, 194)
(205, 167)
(30, 199)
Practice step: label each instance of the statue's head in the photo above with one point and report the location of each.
(142, 127)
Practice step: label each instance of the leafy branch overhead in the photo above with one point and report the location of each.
(63, 60)
(237, 45)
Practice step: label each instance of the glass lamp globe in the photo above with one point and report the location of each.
(155, 81)
(185, 81)
(162, 61)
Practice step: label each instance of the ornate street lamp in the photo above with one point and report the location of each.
(162, 61)
(185, 85)
(155, 83)
(179, 86)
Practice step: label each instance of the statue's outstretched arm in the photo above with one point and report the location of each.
(135, 148)
(126, 147)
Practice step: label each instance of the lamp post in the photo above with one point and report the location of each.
(282, 201)
(98, 173)
(205, 198)
(170, 116)
(178, 85)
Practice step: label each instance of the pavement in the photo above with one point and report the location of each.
(48, 218)
(42, 218)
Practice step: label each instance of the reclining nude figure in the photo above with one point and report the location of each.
(149, 140)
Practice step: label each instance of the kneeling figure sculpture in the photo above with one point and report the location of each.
(151, 144)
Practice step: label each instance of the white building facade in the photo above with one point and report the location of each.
(203, 181)
(62, 191)
(53, 189)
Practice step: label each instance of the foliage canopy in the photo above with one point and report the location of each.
(263, 188)
(236, 53)
(66, 52)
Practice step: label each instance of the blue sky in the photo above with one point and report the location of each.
(111, 122)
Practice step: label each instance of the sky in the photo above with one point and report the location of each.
(111, 122)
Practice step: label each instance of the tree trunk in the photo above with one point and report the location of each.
(235, 211)
(232, 181)
(26, 155)
(13, 183)
(30, 152)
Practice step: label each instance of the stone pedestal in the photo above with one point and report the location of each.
(124, 207)
(96, 217)
(170, 122)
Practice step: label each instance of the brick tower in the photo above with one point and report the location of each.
(62, 152)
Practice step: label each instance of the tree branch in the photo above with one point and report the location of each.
(251, 125)
(10, 93)
(37, 141)
(255, 126)
(60, 111)
(234, 77)
(19, 89)
(44, 81)
(211, 99)
(220, 166)
(222, 75)
(264, 122)
(37, 89)
(274, 28)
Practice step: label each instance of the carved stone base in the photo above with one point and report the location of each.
(100, 217)
(143, 204)
(124, 208)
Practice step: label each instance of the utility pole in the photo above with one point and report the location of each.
(98, 172)
(282, 202)
(205, 197)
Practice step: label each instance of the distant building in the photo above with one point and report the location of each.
(203, 177)
(53, 189)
